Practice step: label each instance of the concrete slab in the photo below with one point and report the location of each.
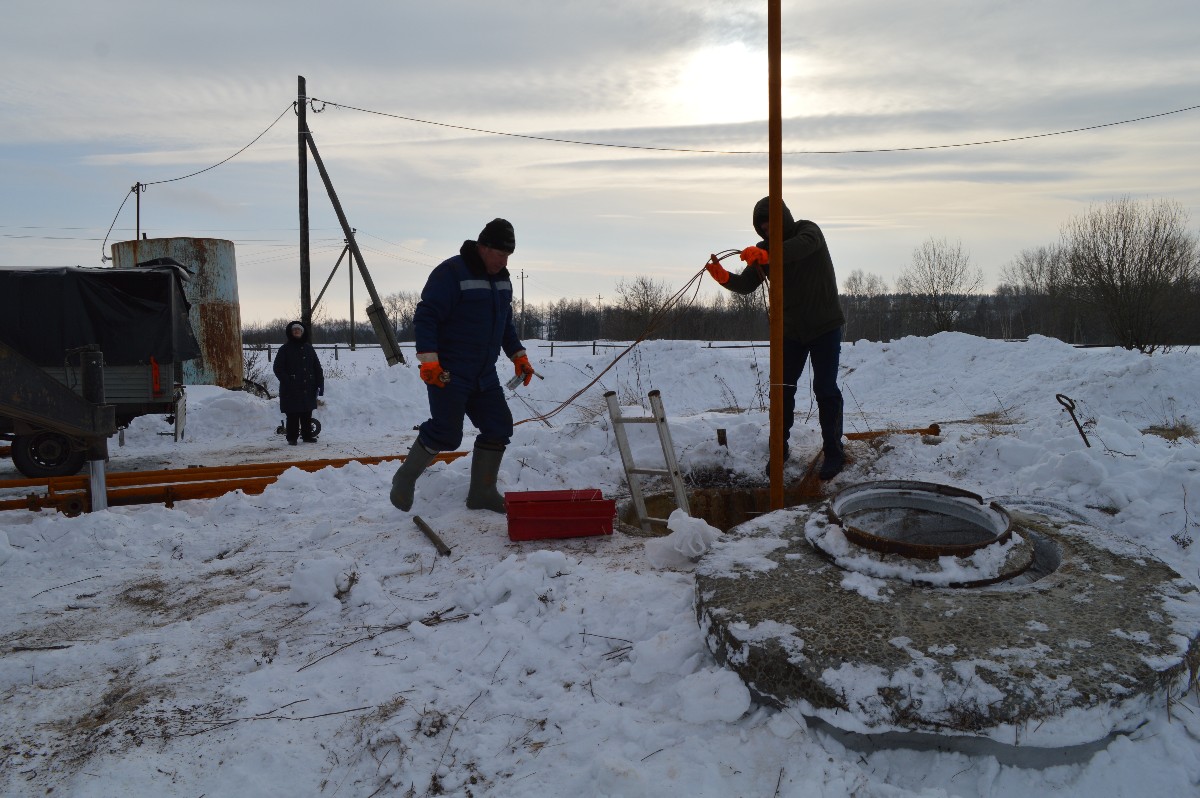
(1096, 634)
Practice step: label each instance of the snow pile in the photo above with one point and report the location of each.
(310, 640)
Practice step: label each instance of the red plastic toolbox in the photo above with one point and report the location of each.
(538, 514)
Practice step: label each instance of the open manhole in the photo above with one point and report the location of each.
(721, 507)
(919, 519)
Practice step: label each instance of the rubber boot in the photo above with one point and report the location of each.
(829, 412)
(485, 465)
(405, 479)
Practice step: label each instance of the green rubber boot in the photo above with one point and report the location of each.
(405, 479)
(485, 465)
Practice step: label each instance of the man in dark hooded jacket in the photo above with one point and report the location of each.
(812, 321)
(301, 381)
(462, 322)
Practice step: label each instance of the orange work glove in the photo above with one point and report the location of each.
(523, 367)
(433, 374)
(753, 255)
(717, 270)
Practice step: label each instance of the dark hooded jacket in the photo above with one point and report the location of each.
(299, 372)
(465, 316)
(810, 296)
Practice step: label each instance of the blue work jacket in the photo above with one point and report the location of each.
(465, 315)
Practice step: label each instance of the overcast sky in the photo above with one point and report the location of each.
(95, 97)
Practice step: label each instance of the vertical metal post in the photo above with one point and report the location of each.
(302, 138)
(775, 242)
(137, 230)
(92, 362)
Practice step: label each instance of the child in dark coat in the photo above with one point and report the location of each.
(301, 381)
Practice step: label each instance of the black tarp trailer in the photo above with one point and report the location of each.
(53, 322)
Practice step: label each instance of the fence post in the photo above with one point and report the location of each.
(335, 351)
(593, 347)
(551, 349)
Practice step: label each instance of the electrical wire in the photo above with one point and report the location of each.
(580, 142)
(138, 187)
(230, 158)
(671, 308)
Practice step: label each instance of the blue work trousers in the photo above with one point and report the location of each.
(459, 399)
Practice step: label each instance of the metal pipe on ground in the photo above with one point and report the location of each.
(932, 429)
(69, 494)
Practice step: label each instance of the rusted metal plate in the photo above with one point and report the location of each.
(220, 335)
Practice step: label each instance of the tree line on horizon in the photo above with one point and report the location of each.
(1125, 273)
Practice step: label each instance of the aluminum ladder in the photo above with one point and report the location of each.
(632, 472)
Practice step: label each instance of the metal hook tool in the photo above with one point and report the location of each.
(1069, 404)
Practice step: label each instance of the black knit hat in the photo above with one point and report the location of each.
(498, 234)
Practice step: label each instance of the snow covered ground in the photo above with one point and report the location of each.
(309, 641)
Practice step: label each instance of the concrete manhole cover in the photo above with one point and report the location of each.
(1068, 635)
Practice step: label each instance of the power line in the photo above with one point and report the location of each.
(142, 186)
(748, 152)
(226, 160)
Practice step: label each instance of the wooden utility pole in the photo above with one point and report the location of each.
(302, 138)
(775, 241)
(375, 312)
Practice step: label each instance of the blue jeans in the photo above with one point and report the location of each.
(824, 351)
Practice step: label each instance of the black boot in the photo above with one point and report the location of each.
(829, 412)
(405, 479)
(485, 465)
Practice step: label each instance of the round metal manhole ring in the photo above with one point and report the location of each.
(923, 520)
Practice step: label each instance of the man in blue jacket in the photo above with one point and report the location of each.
(462, 322)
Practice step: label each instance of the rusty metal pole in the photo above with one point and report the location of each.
(775, 241)
(302, 137)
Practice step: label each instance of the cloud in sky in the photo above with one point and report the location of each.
(96, 97)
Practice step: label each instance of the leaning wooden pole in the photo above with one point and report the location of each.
(775, 241)
(305, 264)
(375, 312)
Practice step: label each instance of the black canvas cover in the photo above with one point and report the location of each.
(131, 314)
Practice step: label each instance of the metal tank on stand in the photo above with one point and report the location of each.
(212, 291)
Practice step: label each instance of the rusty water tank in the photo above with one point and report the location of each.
(213, 294)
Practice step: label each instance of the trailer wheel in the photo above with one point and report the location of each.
(46, 454)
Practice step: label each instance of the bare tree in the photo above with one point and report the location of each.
(940, 280)
(638, 301)
(862, 284)
(400, 307)
(1133, 262)
(864, 299)
(1039, 287)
